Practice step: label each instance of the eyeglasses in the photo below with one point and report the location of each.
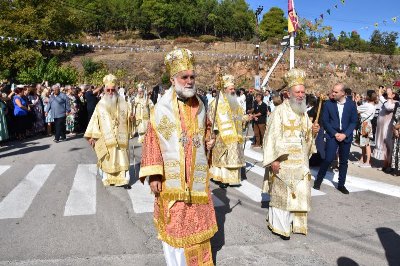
(110, 90)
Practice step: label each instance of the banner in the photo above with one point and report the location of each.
(293, 20)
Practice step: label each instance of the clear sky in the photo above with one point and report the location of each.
(353, 15)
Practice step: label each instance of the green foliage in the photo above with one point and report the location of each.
(208, 38)
(90, 66)
(51, 71)
(273, 24)
(32, 19)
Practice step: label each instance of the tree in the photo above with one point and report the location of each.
(273, 24)
(32, 19)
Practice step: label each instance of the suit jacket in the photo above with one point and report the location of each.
(331, 123)
(58, 105)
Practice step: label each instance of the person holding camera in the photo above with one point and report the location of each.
(366, 112)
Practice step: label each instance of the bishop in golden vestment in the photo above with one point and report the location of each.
(288, 144)
(108, 132)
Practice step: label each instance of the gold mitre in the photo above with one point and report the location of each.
(179, 60)
(295, 76)
(110, 80)
(228, 80)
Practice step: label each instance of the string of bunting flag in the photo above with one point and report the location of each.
(62, 44)
(375, 25)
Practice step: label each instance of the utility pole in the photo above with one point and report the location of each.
(257, 14)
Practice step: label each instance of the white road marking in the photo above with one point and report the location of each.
(3, 168)
(251, 191)
(141, 197)
(353, 183)
(17, 202)
(82, 197)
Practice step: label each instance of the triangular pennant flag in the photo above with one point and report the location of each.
(376, 25)
(328, 11)
(394, 19)
(2, 37)
(342, 1)
(322, 16)
(384, 22)
(335, 6)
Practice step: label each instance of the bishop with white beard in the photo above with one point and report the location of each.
(227, 155)
(108, 132)
(288, 145)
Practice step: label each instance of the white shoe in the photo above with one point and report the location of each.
(365, 165)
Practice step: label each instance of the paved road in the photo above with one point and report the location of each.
(54, 211)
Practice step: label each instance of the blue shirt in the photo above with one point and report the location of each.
(18, 111)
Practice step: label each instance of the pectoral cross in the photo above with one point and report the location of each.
(184, 139)
(292, 128)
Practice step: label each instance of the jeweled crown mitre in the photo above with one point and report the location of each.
(179, 60)
(110, 80)
(228, 81)
(295, 76)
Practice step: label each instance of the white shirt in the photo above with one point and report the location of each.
(367, 111)
(340, 107)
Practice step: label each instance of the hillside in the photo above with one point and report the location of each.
(360, 71)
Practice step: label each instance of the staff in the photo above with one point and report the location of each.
(219, 88)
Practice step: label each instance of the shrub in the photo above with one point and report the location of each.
(181, 40)
(208, 38)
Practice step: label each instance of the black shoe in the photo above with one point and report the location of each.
(127, 186)
(56, 141)
(317, 185)
(222, 185)
(285, 237)
(343, 189)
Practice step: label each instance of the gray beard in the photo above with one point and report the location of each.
(232, 100)
(185, 93)
(298, 108)
(110, 103)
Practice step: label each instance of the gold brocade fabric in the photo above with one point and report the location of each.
(227, 153)
(142, 116)
(289, 140)
(112, 158)
(199, 255)
(226, 175)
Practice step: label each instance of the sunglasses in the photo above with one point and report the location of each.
(110, 90)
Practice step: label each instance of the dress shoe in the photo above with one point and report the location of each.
(343, 189)
(222, 185)
(317, 185)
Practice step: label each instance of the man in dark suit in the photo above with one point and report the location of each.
(339, 118)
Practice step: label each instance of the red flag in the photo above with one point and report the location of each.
(293, 20)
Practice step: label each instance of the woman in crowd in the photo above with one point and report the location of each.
(366, 112)
(396, 137)
(37, 111)
(21, 113)
(48, 119)
(384, 132)
(3, 122)
(72, 118)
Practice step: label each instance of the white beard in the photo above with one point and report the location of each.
(185, 92)
(298, 108)
(110, 102)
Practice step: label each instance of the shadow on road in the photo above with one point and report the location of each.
(344, 261)
(391, 243)
(218, 241)
(26, 150)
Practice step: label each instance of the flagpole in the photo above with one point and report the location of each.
(292, 50)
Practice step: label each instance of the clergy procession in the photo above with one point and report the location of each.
(170, 152)
(187, 145)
